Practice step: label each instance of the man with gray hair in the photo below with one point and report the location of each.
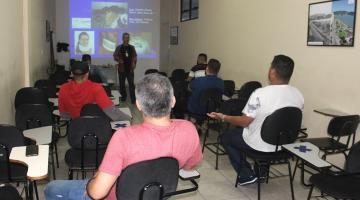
(158, 136)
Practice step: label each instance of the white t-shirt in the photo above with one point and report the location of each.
(263, 102)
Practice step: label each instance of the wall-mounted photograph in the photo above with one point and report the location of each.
(332, 23)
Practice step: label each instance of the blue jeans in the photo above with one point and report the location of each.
(66, 190)
(233, 142)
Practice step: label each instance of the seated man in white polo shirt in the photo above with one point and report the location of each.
(262, 102)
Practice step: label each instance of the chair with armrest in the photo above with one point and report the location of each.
(88, 137)
(245, 92)
(181, 94)
(279, 128)
(153, 180)
(342, 127)
(10, 172)
(343, 185)
(28, 116)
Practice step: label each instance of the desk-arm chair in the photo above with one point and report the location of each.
(338, 128)
(152, 180)
(343, 185)
(11, 137)
(279, 128)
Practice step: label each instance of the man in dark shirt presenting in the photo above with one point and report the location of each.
(125, 55)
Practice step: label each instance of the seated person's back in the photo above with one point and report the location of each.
(81, 91)
(263, 102)
(199, 85)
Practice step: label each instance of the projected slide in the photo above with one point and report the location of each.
(96, 27)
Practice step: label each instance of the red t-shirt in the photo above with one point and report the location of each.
(146, 142)
(73, 96)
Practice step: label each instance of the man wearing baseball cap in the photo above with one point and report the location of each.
(81, 91)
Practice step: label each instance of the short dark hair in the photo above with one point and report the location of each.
(203, 55)
(284, 67)
(86, 57)
(154, 93)
(214, 66)
(125, 33)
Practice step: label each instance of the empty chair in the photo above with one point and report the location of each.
(88, 138)
(163, 73)
(229, 88)
(339, 127)
(245, 92)
(29, 116)
(30, 95)
(178, 75)
(9, 192)
(60, 77)
(341, 185)
(181, 94)
(11, 137)
(279, 128)
(155, 180)
(48, 86)
(150, 71)
(247, 89)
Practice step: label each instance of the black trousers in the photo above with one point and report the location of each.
(130, 78)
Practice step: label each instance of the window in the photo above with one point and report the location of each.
(189, 10)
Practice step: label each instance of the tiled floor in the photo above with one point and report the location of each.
(213, 184)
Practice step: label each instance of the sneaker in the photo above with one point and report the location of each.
(247, 180)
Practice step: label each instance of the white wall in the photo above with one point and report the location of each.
(39, 49)
(23, 53)
(11, 56)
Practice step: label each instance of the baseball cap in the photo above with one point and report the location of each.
(79, 68)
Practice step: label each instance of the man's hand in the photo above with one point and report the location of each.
(216, 115)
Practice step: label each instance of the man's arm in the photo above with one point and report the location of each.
(100, 185)
(243, 121)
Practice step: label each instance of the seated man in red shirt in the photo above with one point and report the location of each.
(81, 91)
(158, 136)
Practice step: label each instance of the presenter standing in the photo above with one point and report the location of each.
(125, 55)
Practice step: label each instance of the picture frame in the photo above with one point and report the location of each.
(174, 35)
(332, 23)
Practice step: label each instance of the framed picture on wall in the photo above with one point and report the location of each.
(174, 35)
(332, 23)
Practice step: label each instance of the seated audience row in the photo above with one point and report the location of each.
(158, 136)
